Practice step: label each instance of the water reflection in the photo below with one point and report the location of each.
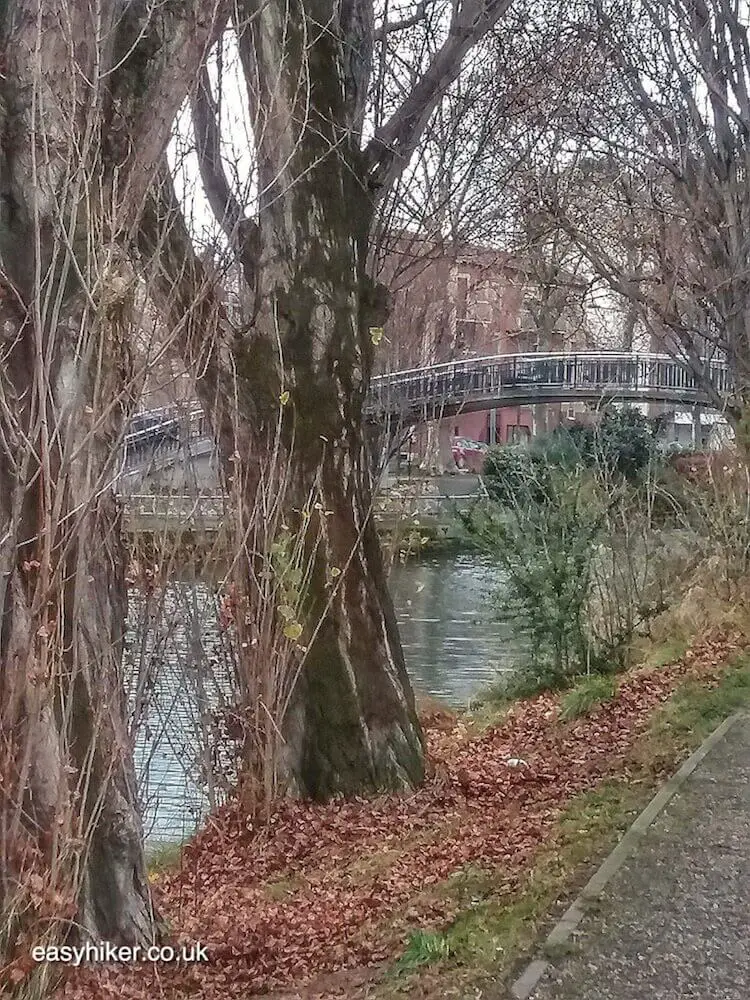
(453, 644)
(176, 663)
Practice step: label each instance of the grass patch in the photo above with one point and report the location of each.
(283, 888)
(669, 651)
(695, 711)
(586, 694)
(164, 856)
(424, 948)
(485, 939)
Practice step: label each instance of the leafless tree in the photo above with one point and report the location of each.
(654, 188)
(291, 380)
(88, 93)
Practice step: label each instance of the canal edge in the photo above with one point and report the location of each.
(561, 933)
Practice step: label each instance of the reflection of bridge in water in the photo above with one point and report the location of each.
(172, 435)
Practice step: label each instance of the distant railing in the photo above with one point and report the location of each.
(155, 511)
(424, 505)
(162, 432)
(474, 384)
(149, 511)
(481, 383)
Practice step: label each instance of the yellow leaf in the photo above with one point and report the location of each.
(335, 571)
(376, 334)
(286, 612)
(293, 630)
(284, 397)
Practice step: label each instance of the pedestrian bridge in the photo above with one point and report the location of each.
(436, 391)
(526, 379)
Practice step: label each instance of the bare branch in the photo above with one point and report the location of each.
(243, 233)
(157, 51)
(389, 151)
(393, 27)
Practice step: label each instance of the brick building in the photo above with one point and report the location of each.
(454, 302)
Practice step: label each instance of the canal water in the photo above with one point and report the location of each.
(453, 645)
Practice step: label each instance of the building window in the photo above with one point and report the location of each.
(466, 334)
(462, 296)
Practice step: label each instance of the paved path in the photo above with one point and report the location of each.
(674, 923)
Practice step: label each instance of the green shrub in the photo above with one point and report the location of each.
(514, 474)
(425, 947)
(623, 443)
(546, 543)
(587, 694)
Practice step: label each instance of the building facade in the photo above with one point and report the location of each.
(449, 303)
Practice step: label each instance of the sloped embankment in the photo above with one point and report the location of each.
(324, 888)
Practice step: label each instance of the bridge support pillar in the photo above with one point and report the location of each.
(492, 435)
(445, 449)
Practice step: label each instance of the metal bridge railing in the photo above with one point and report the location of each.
(162, 431)
(180, 509)
(532, 376)
(518, 378)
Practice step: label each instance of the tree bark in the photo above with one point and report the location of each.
(87, 97)
(287, 390)
(69, 789)
(350, 725)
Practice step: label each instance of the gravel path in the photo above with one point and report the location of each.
(674, 923)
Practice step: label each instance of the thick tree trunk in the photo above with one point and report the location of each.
(88, 94)
(69, 792)
(351, 725)
(284, 395)
(69, 787)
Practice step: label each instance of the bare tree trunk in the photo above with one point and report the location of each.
(351, 724)
(88, 93)
(292, 381)
(70, 788)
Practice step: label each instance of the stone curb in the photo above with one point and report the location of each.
(525, 985)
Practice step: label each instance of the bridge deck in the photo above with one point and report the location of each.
(494, 382)
(444, 390)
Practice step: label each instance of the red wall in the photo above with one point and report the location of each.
(476, 426)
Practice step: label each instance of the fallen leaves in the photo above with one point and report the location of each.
(320, 888)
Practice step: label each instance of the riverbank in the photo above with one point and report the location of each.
(436, 894)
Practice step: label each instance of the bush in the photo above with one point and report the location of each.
(623, 443)
(514, 474)
(587, 694)
(543, 530)
(573, 535)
